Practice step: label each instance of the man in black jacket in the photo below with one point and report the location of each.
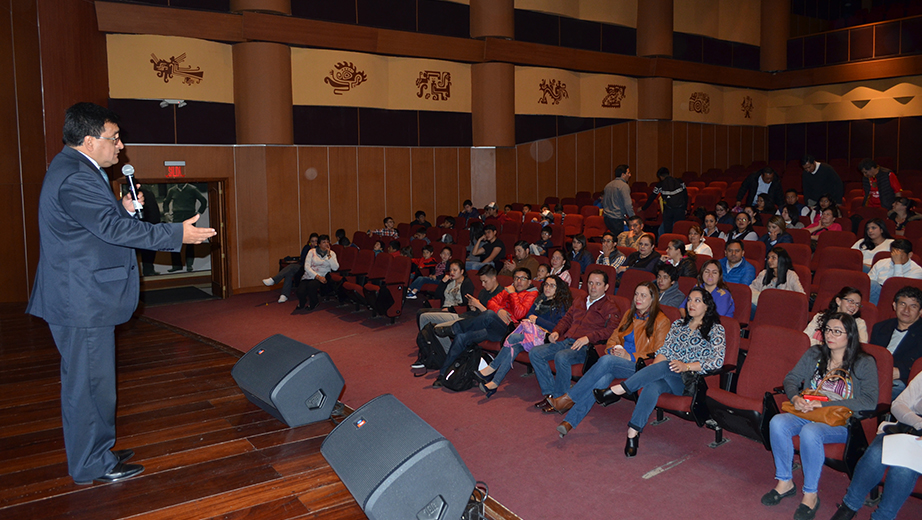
(763, 181)
(818, 179)
(902, 335)
(675, 199)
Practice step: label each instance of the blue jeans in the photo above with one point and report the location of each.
(420, 281)
(606, 369)
(654, 380)
(564, 358)
(502, 364)
(473, 265)
(898, 387)
(869, 472)
(813, 436)
(486, 326)
(875, 292)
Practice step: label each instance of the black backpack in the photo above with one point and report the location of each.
(460, 375)
(431, 352)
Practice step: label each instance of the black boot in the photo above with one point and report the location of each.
(630, 447)
(605, 397)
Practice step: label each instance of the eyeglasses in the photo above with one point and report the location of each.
(834, 332)
(550, 285)
(607, 240)
(115, 140)
(853, 303)
(521, 278)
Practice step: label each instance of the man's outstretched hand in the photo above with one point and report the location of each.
(194, 235)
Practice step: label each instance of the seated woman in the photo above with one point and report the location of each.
(695, 343)
(754, 215)
(847, 301)
(543, 272)
(644, 258)
(452, 291)
(318, 264)
(696, 237)
(724, 216)
(743, 229)
(641, 332)
(907, 409)
(827, 222)
(764, 204)
(712, 279)
(776, 233)
(710, 227)
(560, 266)
(816, 212)
(840, 349)
(438, 273)
(552, 303)
(876, 239)
(778, 274)
(791, 217)
(676, 257)
(287, 274)
(902, 213)
(579, 252)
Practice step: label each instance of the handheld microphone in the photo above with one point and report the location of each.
(128, 171)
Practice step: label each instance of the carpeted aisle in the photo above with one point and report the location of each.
(508, 443)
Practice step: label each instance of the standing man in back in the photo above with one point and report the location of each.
(87, 283)
(616, 200)
(820, 178)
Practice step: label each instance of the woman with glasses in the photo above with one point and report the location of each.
(840, 349)
(743, 229)
(848, 301)
(552, 303)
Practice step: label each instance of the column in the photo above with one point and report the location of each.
(262, 93)
(263, 6)
(776, 29)
(654, 27)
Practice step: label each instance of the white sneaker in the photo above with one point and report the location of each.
(268, 282)
(283, 299)
(411, 295)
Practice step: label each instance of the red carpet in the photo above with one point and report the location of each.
(508, 443)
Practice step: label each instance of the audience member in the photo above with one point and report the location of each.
(710, 226)
(520, 258)
(902, 335)
(839, 350)
(422, 265)
(816, 210)
(543, 272)
(588, 321)
(754, 216)
(290, 271)
(456, 289)
(876, 240)
(847, 301)
(341, 238)
(827, 222)
(899, 265)
(632, 236)
(791, 199)
(579, 252)
(724, 216)
(743, 229)
(776, 233)
(695, 343)
(763, 181)
(387, 231)
(548, 308)
(468, 212)
(644, 258)
(488, 249)
(420, 220)
(541, 247)
(764, 205)
(903, 213)
(610, 254)
(711, 279)
(881, 187)
(675, 199)
(676, 257)
(616, 200)
(641, 332)
(438, 273)
(778, 274)
(378, 247)
(820, 178)
(667, 281)
(318, 263)
(790, 216)
(696, 241)
(421, 235)
(735, 268)
(393, 248)
(560, 266)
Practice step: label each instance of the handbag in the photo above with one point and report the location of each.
(831, 415)
(533, 335)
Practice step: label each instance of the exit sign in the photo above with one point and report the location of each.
(175, 169)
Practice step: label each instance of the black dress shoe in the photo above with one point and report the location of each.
(488, 391)
(438, 383)
(121, 471)
(444, 332)
(805, 513)
(544, 403)
(844, 513)
(630, 447)
(605, 397)
(482, 378)
(123, 455)
(773, 498)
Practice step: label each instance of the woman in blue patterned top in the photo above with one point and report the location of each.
(695, 343)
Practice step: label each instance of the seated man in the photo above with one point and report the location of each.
(521, 259)
(421, 235)
(630, 238)
(488, 250)
(509, 306)
(667, 279)
(387, 231)
(290, 271)
(610, 254)
(468, 212)
(898, 265)
(421, 221)
(736, 269)
(587, 322)
(902, 335)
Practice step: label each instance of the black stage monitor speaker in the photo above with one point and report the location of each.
(396, 466)
(294, 382)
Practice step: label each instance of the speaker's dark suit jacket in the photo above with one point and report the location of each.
(86, 283)
(907, 351)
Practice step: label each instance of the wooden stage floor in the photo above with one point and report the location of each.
(207, 451)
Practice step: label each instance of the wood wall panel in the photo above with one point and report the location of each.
(547, 171)
(734, 145)
(679, 148)
(526, 189)
(343, 188)
(746, 145)
(506, 165)
(759, 143)
(314, 194)
(647, 162)
(620, 147)
(446, 182)
(283, 219)
(372, 195)
(695, 147)
(15, 286)
(708, 148)
(604, 169)
(422, 180)
(566, 165)
(397, 188)
(887, 138)
(585, 163)
(721, 147)
(632, 143)
(464, 176)
(665, 151)
(252, 231)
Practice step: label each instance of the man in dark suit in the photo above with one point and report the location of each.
(902, 335)
(763, 181)
(87, 283)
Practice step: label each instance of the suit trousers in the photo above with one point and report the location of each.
(87, 398)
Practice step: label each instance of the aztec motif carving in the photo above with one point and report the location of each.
(747, 107)
(613, 96)
(166, 69)
(556, 89)
(345, 77)
(699, 102)
(438, 83)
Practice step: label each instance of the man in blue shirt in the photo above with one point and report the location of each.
(736, 268)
